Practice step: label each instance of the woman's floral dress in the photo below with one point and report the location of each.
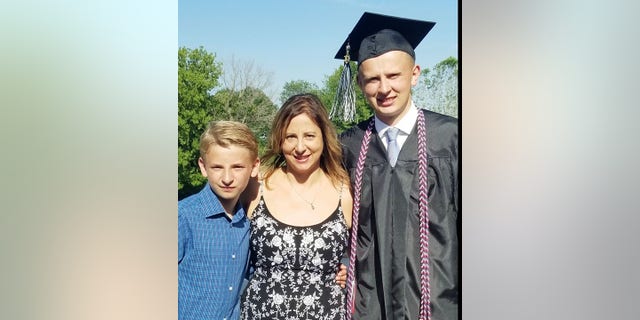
(294, 268)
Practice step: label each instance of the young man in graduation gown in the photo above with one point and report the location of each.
(408, 227)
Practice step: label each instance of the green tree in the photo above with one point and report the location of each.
(198, 74)
(244, 98)
(437, 89)
(296, 87)
(250, 106)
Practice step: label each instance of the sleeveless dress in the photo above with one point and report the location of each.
(295, 268)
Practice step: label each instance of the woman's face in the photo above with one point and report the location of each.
(302, 145)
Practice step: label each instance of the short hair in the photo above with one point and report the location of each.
(309, 104)
(228, 133)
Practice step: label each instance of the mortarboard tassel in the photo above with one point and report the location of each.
(344, 104)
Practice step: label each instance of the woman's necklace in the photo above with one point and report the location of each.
(311, 203)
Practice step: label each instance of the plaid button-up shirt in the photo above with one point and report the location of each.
(213, 258)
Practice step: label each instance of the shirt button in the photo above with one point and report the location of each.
(233, 256)
(230, 288)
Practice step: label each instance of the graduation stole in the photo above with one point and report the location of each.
(425, 293)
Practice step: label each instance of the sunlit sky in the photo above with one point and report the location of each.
(297, 40)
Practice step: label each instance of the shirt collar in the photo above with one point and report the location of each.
(213, 207)
(405, 125)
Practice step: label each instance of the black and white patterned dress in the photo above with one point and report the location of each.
(295, 268)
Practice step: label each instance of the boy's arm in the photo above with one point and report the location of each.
(247, 277)
(184, 236)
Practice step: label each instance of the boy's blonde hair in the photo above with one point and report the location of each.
(227, 133)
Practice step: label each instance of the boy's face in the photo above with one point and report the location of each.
(228, 171)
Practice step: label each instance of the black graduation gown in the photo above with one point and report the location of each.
(388, 250)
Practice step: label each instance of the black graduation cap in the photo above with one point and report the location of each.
(375, 34)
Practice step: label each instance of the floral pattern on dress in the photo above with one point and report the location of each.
(295, 268)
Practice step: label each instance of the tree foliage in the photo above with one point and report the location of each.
(250, 106)
(208, 92)
(198, 74)
(245, 99)
(437, 89)
(297, 87)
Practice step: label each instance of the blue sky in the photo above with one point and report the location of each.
(297, 39)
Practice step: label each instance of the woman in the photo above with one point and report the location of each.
(299, 218)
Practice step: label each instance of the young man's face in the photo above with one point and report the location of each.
(386, 82)
(228, 171)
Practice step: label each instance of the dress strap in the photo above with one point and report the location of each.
(256, 211)
(260, 188)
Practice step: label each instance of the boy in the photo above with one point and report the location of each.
(213, 230)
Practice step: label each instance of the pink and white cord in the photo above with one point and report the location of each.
(354, 220)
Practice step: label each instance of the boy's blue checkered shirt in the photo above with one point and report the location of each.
(213, 258)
